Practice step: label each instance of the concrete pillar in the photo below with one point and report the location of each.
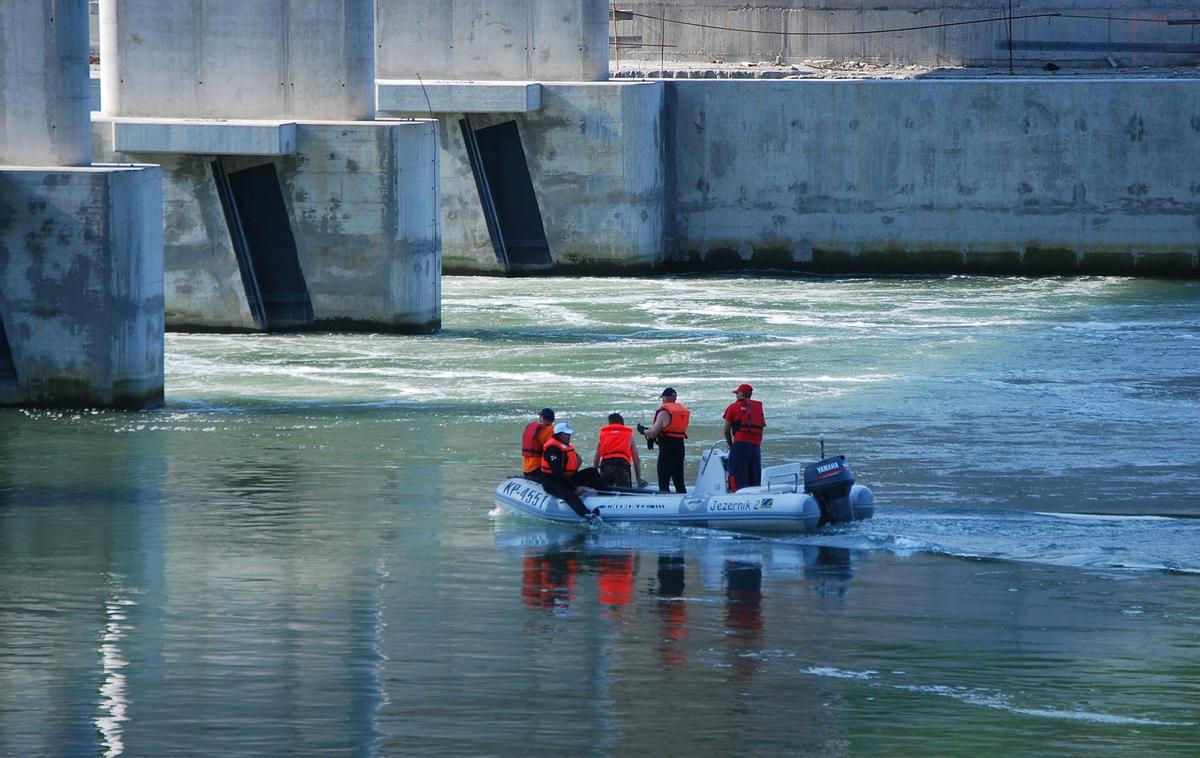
(44, 84)
(281, 92)
(233, 59)
(81, 282)
(81, 305)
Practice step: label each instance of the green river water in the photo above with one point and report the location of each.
(300, 553)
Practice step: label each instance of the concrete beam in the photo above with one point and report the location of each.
(413, 96)
(197, 137)
(499, 40)
(283, 59)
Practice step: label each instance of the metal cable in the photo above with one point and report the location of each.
(895, 30)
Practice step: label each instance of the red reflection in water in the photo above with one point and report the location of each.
(548, 580)
(616, 579)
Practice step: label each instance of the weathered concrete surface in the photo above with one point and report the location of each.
(81, 288)
(364, 209)
(832, 29)
(1012, 176)
(414, 96)
(44, 84)
(201, 137)
(525, 40)
(596, 158)
(270, 59)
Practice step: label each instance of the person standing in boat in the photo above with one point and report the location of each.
(669, 431)
(562, 477)
(533, 440)
(744, 424)
(616, 454)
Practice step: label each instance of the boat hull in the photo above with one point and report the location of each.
(759, 511)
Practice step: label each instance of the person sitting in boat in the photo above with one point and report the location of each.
(744, 424)
(616, 453)
(669, 431)
(562, 477)
(533, 440)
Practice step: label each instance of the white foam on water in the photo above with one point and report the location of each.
(1102, 517)
(836, 673)
(998, 701)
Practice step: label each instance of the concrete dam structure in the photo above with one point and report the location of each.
(318, 164)
(287, 205)
(972, 173)
(81, 252)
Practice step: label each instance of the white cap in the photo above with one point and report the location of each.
(563, 428)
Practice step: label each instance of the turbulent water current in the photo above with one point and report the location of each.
(300, 553)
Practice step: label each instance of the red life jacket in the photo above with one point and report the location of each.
(531, 444)
(749, 421)
(615, 443)
(571, 464)
(677, 427)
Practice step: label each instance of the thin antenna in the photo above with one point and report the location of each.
(425, 92)
(1010, 39)
(662, 44)
(437, 125)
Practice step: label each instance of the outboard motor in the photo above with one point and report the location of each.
(829, 481)
(713, 478)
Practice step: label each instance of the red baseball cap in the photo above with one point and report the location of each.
(744, 388)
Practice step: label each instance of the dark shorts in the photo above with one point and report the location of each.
(616, 471)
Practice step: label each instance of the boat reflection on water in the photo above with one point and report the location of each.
(681, 571)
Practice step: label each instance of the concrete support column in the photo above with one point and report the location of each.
(81, 286)
(81, 305)
(44, 83)
(232, 59)
(262, 116)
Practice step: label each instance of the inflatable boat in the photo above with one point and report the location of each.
(792, 498)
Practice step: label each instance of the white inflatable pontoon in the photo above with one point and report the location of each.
(792, 498)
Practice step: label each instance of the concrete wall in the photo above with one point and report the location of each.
(81, 286)
(596, 158)
(982, 175)
(539, 40)
(364, 209)
(44, 84)
(309, 59)
(1113, 23)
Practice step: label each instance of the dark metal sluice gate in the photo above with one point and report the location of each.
(8, 368)
(263, 243)
(510, 204)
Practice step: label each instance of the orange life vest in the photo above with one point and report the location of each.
(677, 426)
(749, 421)
(532, 442)
(615, 443)
(572, 458)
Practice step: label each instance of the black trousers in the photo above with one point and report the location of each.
(670, 464)
(563, 487)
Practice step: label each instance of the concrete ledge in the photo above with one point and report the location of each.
(195, 137)
(409, 96)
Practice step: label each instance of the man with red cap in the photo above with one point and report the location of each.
(744, 424)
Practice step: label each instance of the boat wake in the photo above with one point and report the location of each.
(1140, 543)
(986, 698)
